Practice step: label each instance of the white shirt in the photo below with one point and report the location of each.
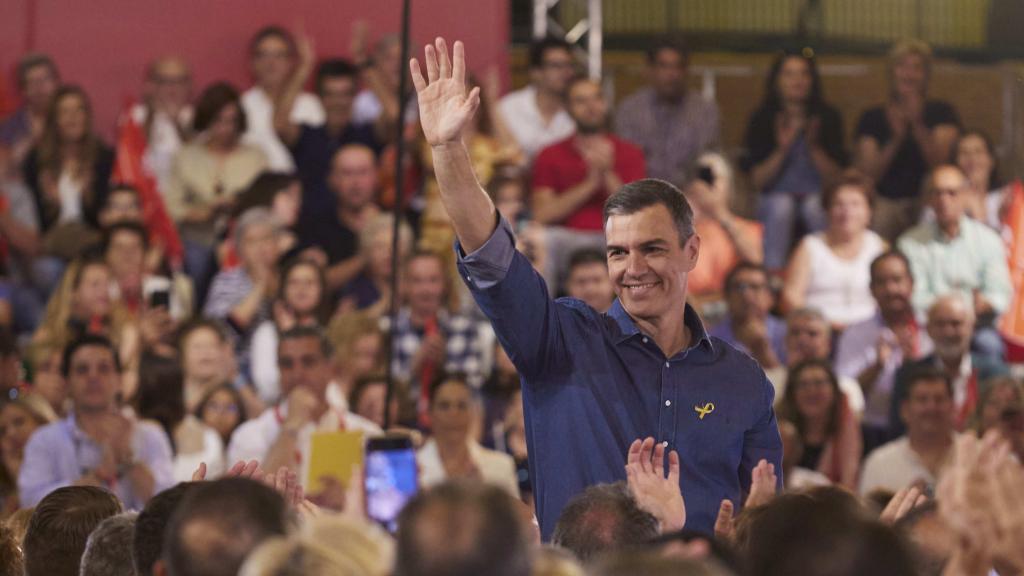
(894, 466)
(70, 192)
(524, 120)
(253, 439)
(857, 350)
(263, 362)
(495, 467)
(212, 455)
(164, 141)
(839, 287)
(259, 114)
(366, 108)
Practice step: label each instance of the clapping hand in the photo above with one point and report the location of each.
(445, 107)
(763, 481)
(653, 491)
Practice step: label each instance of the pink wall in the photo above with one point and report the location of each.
(104, 44)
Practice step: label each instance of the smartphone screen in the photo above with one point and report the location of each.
(160, 299)
(391, 479)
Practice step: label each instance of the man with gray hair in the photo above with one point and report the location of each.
(108, 551)
(950, 326)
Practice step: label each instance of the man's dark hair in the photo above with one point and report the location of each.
(744, 266)
(82, 342)
(603, 518)
(586, 256)
(219, 523)
(213, 99)
(272, 31)
(919, 373)
(108, 551)
(461, 529)
(675, 44)
(801, 534)
(131, 227)
(335, 68)
(891, 253)
(60, 527)
(35, 60)
(301, 332)
(640, 194)
(262, 191)
(541, 47)
(151, 525)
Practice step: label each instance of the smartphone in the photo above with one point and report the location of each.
(157, 291)
(160, 299)
(706, 174)
(391, 478)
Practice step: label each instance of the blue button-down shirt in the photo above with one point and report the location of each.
(59, 454)
(593, 383)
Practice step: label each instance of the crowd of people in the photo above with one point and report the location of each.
(172, 337)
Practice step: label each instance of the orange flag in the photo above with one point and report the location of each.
(1012, 323)
(130, 169)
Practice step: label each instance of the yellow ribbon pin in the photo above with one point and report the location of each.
(704, 410)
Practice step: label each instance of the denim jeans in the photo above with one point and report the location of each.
(780, 213)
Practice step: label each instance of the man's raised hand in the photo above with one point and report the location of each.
(653, 491)
(445, 107)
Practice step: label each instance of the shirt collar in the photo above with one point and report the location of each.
(628, 328)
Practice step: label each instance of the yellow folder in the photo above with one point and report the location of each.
(333, 454)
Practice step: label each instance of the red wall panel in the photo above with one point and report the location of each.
(104, 45)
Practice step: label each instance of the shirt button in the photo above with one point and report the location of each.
(645, 340)
(668, 402)
(665, 443)
(666, 364)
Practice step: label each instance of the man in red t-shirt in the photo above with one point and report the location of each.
(572, 178)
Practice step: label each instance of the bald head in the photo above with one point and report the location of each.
(169, 84)
(353, 176)
(947, 187)
(950, 326)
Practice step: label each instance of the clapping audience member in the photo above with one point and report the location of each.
(749, 324)
(207, 175)
(898, 142)
(359, 348)
(829, 431)
(956, 254)
(830, 270)
(273, 55)
(96, 445)
(165, 114)
(303, 301)
(671, 123)
(950, 325)
(536, 114)
(726, 239)
(922, 454)
(573, 177)
(794, 144)
(161, 399)
(370, 291)
(60, 528)
(241, 296)
(279, 193)
(108, 550)
(377, 103)
(459, 528)
(451, 452)
(872, 351)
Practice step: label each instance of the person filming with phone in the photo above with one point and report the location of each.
(594, 383)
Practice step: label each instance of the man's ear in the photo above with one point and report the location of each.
(692, 251)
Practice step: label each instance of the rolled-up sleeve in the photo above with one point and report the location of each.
(489, 264)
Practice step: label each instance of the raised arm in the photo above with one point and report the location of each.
(287, 130)
(445, 109)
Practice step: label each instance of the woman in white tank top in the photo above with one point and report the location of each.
(831, 270)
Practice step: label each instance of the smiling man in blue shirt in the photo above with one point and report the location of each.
(593, 383)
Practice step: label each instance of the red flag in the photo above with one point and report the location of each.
(129, 168)
(1012, 323)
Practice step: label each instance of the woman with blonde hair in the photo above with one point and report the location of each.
(19, 418)
(325, 546)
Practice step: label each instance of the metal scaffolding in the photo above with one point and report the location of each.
(589, 25)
